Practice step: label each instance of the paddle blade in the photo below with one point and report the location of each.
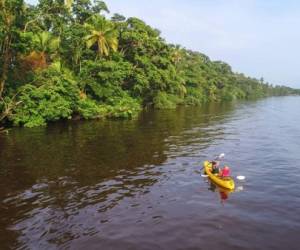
(221, 156)
(241, 177)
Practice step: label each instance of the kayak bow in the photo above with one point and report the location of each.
(226, 182)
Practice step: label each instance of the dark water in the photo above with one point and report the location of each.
(136, 184)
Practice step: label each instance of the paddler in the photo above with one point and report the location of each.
(225, 172)
(215, 167)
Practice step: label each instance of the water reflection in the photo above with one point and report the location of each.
(224, 193)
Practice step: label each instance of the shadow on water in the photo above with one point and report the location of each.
(61, 183)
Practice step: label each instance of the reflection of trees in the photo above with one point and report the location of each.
(68, 168)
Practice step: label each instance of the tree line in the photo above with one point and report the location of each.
(64, 59)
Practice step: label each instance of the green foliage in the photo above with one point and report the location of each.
(195, 97)
(45, 42)
(61, 59)
(89, 109)
(55, 99)
(103, 79)
(73, 46)
(166, 101)
(118, 18)
(41, 105)
(125, 107)
(102, 34)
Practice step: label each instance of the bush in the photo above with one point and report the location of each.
(166, 101)
(195, 97)
(43, 104)
(54, 96)
(228, 95)
(89, 109)
(126, 107)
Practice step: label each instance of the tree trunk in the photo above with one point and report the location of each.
(3, 76)
(5, 65)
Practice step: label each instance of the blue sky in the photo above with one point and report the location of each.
(260, 38)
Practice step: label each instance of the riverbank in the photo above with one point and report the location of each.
(71, 61)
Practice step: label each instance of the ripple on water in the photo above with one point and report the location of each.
(137, 185)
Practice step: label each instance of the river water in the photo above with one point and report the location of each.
(137, 184)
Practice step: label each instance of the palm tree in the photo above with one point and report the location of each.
(176, 56)
(46, 44)
(103, 33)
(68, 4)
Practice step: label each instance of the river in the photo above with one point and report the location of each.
(137, 184)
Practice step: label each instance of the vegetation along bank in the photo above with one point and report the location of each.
(66, 59)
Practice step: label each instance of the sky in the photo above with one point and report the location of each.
(259, 38)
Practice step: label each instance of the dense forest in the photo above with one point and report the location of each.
(64, 59)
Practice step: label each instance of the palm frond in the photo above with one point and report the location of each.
(54, 43)
(90, 41)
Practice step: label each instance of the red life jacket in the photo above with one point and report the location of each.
(225, 172)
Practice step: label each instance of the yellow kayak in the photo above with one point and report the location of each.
(226, 182)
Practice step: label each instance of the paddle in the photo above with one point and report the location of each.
(241, 177)
(220, 157)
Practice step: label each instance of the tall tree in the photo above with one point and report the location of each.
(11, 20)
(103, 35)
(46, 44)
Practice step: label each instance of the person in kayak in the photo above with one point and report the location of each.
(215, 167)
(225, 172)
